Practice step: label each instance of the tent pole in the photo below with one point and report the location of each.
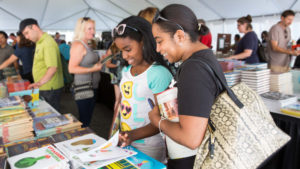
(64, 18)
(120, 7)
(101, 19)
(293, 4)
(10, 13)
(44, 12)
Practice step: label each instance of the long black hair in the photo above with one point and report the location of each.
(144, 34)
(178, 14)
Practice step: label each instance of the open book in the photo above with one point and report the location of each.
(91, 151)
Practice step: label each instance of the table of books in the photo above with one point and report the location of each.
(41, 146)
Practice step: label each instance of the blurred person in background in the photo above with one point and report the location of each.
(247, 47)
(5, 50)
(207, 38)
(85, 66)
(25, 52)
(278, 44)
(46, 70)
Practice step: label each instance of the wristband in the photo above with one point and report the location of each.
(160, 132)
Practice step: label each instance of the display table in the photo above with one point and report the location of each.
(289, 156)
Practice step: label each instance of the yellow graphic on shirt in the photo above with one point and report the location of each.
(125, 127)
(126, 109)
(127, 89)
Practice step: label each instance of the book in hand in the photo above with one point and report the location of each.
(42, 158)
(167, 103)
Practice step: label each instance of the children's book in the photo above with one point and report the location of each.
(46, 157)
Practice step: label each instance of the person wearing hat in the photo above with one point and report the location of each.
(47, 69)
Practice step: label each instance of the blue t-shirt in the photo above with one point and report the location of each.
(249, 41)
(65, 51)
(26, 55)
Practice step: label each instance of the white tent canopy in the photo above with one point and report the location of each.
(61, 15)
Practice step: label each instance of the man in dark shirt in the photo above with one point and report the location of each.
(5, 49)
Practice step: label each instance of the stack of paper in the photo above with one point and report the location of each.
(43, 158)
(15, 121)
(91, 151)
(257, 79)
(275, 100)
(232, 78)
(282, 83)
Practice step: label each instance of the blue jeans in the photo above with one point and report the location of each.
(52, 97)
(86, 109)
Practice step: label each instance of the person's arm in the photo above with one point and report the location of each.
(126, 138)
(276, 48)
(48, 76)
(8, 61)
(246, 53)
(77, 53)
(189, 131)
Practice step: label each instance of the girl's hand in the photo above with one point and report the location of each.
(125, 138)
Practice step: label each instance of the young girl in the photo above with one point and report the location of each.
(144, 77)
(176, 31)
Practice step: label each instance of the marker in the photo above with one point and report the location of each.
(151, 103)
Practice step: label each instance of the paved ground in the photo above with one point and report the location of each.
(102, 116)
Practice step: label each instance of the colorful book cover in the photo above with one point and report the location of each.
(167, 103)
(120, 165)
(143, 161)
(46, 141)
(21, 147)
(46, 157)
(33, 93)
(10, 101)
(55, 121)
(82, 144)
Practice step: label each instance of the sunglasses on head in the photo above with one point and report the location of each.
(84, 19)
(159, 17)
(120, 29)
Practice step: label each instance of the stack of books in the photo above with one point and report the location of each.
(257, 66)
(232, 78)
(42, 158)
(91, 151)
(292, 109)
(49, 122)
(15, 121)
(275, 100)
(257, 79)
(16, 83)
(281, 83)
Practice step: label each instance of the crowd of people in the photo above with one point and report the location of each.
(146, 49)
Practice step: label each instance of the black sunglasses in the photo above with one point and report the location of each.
(158, 16)
(84, 19)
(120, 29)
